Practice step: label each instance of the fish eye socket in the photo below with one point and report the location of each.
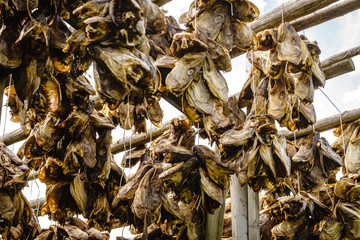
(211, 45)
(218, 18)
(191, 71)
(293, 41)
(282, 94)
(307, 83)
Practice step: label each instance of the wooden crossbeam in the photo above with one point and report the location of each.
(325, 14)
(139, 139)
(161, 2)
(288, 11)
(324, 124)
(340, 57)
(341, 66)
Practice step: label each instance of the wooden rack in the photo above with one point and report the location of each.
(302, 14)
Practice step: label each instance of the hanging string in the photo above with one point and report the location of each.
(198, 133)
(282, 13)
(340, 115)
(130, 154)
(38, 198)
(252, 76)
(7, 106)
(195, 15)
(150, 132)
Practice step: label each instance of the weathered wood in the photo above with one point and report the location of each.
(325, 124)
(239, 209)
(13, 137)
(291, 10)
(340, 56)
(339, 68)
(33, 175)
(139, 139)
(325, 14)
(17, 135)
(36, 204)
(253, 214)
(161, 2)
(215, 223)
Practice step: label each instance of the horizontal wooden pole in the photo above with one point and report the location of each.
(325, 14)
(321, 126)
(342, 67)
(139, 139)
(288, 11)
(340, 57)
(324, 124)
(13, 137)
(161, 2)
(37, 203)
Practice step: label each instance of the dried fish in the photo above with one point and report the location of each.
(214, 80)
(176, 81)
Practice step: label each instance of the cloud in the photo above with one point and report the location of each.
(351, 98)
(260, 4)
(349, 32)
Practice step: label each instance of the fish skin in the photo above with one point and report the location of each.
(176, 81)
(214, 80)
(289, 44)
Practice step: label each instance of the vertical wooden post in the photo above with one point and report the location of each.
(239, 209)
(215, 222)
(253, 214)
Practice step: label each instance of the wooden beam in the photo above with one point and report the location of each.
(325, 14)
(17, 135)
(239, 209)
(215, 222)
(340, 56)
(13, 137)
(339, 68)
(324, 124)
(37, 204)
(33, 175)
(161, 2)
(139, 139)
(290, 10)
(253, 214)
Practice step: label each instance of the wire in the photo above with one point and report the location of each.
(340, 115)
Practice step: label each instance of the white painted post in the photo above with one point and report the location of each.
(239, 209)
(253, 215)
